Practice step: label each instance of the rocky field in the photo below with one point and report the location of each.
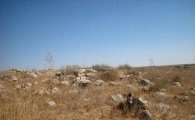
(98, 92)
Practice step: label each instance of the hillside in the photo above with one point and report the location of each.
(99, 92)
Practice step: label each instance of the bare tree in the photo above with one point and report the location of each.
(49, 59)
(151, 62)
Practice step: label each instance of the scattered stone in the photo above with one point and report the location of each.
(158, 78)
(162, 90)
(64, 82)
(181, 98)
(145, 115)
(69, 77)
(55, 81)
(132, 89)
(1, 77)
(145, 82)
(124, 76)
(177, 84)
(146, 88)
(75, 91)
(35, 83)
(192, 91)
(6, 76)
(162, 106)
(34, 75)
(47, 93)
(38, 73)
(159, 94)
(2, 96)
(90, 74)
(26, 85)
(55, 90)
(39, 92)
(58, 73)
(113, 84)
(2, 88)
(84, 82)
(13, 78)
(16, 70)
(45, 80)
(139, 74)
(81, 75)
(142, 103)
(91, 70)
(51, 103)
(81, 70)
(99, 82)
(76, 81)
(18, 87)
(118, 98)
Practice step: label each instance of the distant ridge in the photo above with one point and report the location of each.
(177, 65)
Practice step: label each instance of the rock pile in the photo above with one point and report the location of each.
(136, 104)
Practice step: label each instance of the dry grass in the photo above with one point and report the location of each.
(92, 102)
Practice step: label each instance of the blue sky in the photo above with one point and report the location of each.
(87, 32)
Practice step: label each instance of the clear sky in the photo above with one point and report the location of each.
(87, 32)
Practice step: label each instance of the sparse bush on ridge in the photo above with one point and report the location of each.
(100, 67)
(109, 75)
(124, 67)
(70, 70)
